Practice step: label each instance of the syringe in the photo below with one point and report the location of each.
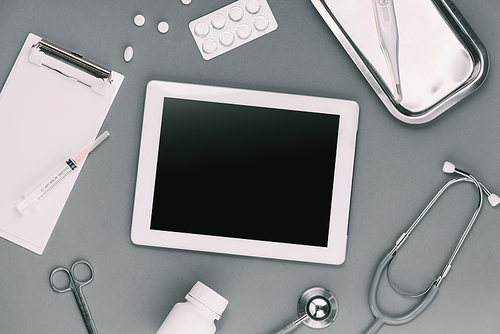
(58, 176)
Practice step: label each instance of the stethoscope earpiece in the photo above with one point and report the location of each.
(450, 168)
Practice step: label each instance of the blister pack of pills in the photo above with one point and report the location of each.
(231, 26)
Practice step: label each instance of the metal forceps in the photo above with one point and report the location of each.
(76, 285)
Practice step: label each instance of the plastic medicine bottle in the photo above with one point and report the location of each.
(195, 316)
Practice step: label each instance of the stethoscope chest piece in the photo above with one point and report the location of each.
(320, 306)
(317, 309)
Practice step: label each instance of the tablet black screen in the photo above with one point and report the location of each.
(245, 172)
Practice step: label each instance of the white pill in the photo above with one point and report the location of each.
(218, 21)
(252, 6)
(201, 29)
(209, 46)
(163, 27)
(260, 23)
(139, 20)
(226, 38)
(236, 13)
(243, 31)
(186, 2)
(128, 54)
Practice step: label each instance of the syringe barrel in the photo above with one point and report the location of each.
(48, 184)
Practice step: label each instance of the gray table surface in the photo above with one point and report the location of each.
(397, 170)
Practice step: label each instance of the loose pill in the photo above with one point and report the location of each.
(186, 2)
(128, 54)
(139, 20)
(163, 27)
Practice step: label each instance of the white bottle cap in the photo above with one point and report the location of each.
(209, 298)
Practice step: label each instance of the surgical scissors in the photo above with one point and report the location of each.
(76, 285)
(430, 293)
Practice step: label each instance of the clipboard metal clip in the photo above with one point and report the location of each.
(98, 78)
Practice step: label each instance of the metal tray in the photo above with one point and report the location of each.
(441, 59)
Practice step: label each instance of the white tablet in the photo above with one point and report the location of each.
(245, 172)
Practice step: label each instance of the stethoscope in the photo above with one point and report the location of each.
(428, 295)
(318, 308)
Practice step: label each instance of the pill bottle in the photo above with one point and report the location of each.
(197, 314)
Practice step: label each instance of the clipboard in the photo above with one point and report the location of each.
(53, 104)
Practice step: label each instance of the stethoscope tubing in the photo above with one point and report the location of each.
(383, 319)
(294, 326)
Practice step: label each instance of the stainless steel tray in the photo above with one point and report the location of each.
(441, 59)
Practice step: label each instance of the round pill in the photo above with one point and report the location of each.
(218, 21)
(163, 27)
(260, 23)
(236, 13)
(226, 38)
(243, 31)
(128, 54)
(209, 45)
(252, 6)
(201, 29)
(186, 2)
(139, 20)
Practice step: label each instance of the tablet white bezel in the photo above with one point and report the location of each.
(141, 233)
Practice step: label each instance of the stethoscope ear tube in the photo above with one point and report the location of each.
(383, 319)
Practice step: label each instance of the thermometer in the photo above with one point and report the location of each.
(387, 28)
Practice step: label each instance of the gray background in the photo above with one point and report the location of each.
(397, 170)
